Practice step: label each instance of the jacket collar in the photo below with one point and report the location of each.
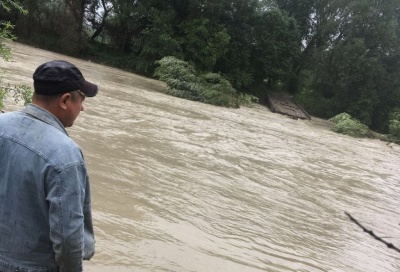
(44, 116)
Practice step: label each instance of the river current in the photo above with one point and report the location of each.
(180, 186)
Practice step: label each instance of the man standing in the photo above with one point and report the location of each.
(45, 203)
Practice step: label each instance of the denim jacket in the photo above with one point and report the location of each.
(45, 205)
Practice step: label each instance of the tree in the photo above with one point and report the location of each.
(359, 70)
(203, 42)
(349, 60)
(320, 24)
(239, 17)
(97, 15)
(157, 40)
(77, 8)
(275, 46)
(50, 24)
(126, 22)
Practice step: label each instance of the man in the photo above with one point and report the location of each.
(45, 212)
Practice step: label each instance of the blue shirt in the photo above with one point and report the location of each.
(45, 204)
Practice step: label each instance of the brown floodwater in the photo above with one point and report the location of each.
(183, 186)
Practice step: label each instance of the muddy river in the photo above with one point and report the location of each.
(181, 186)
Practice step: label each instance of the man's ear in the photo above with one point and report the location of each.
(64, 100)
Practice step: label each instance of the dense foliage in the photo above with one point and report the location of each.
(334, 55)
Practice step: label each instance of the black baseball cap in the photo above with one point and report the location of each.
(61, 76)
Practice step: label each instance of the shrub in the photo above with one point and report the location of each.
(184, 81)
(247, 99)
(218, 91)
(181, 78)
(394, 125)
(348, 125)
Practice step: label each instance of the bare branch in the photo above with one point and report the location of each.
(370, 232)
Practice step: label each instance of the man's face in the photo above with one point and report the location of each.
(74, 105)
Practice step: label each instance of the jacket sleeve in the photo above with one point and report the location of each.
(88, 233)
(66, 195)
